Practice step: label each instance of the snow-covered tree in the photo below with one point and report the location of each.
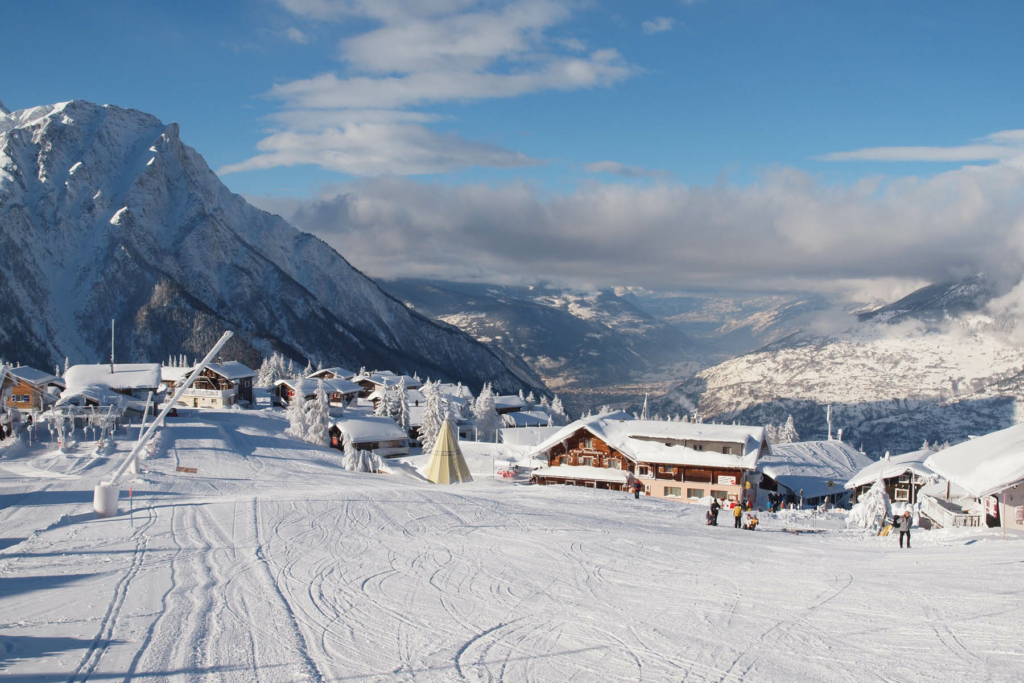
(434, 414)
(544, 402)
(318, 417)
(559, 417)
(531, 401)
(309, 368)
(873, 508)
(521, 397)
(298, 428)
(401, 406)
(67, 365)
(56, 371)
(486, 415)
(292, 374)
(383, 405)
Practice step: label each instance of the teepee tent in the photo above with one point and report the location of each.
(447, 466)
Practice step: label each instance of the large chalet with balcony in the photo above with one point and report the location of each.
(220, 385)
(682, 461)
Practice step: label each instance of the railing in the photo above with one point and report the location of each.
(940, 513)
(210, 393)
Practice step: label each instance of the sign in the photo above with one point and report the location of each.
(188, 470)
(727, 480)
(831, 484)
(1020, 514)
(992, 506)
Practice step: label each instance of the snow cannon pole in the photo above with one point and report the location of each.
(135, 464)
(105, 496)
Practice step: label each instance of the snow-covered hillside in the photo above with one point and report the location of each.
(891, 386)
(272, 563)
(105, 213)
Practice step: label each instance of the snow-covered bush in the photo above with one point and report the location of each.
(485, 415)
(297, 425)
(318, 417)
(872, 509)
(361, 461)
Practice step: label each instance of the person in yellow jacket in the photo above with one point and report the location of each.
(737, 513)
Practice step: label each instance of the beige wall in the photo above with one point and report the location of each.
(656, 488)
(1014, 503)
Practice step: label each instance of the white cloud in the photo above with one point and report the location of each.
(419, 53)
(787, 231)
(1005, 144)
(620, 169)
(296, 36)
(658, 25)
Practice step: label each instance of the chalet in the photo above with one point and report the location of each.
(508, 404)
(33, 390)
(331, 373)
(377, 434)
(991, 469)
(675, 460)
(219, 385)
(815, 471)
(525, 418)
(376, 380)
(128, 386)
(904, 476)
(6, 386)
(339, 391)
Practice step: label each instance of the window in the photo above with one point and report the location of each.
(587, 462)
(672, 492)
(727, 450)
(902, 494)
(588, 442)
(20, 398)
(564, 460)
(643, 471)
(694, 493)
(615, 464)
(905, 479)
(720, 495)
(698, 447)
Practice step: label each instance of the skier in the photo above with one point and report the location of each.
(902, 525)
(713, 512)
(737, 513)
(636, 489)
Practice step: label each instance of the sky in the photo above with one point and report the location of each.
(865, 146)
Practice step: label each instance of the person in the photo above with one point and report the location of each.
(902, 525)
(636, 489)
(737, 513)
(715, 507)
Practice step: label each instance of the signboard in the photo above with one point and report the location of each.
(727, 480)
(992, 506)
(188, 470)
(1020, 514)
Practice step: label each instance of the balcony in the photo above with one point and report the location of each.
(223, 394)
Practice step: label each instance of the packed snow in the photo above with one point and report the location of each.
(274, 563)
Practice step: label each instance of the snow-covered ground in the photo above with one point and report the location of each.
(272, 563)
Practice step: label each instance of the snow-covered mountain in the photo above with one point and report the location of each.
(933, 366)
(105, 213)
(571, 339)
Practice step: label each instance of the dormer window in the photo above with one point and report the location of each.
(727, 450)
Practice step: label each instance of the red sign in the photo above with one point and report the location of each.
(992, 506)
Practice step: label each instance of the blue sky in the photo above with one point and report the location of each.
(336, 113)
(731, 87)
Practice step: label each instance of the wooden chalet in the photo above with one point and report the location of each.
(127, 386)
(371, 382)
(339, 391)
(32, 390)
(219, 385)
(331, 373)
(904, 476)
(676, 460)
(367, 433)
(511, 403)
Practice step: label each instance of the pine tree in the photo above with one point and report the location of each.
(531, 401)
(309, 368)
(485, 415)
(297, 426)
(351, 460)
(318, 417)
(558, 414)
(544, 402)
(66, 365)
(788, 431)
(401, 414)
(433, 417)
(383, 407)
(291, 369)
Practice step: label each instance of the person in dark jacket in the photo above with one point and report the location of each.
(637, 487)
(715, 507)
(737, 513)
(902, 525)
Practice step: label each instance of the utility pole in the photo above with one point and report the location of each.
(111, 346)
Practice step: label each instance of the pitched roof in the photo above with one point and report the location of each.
(33, 376)
(810, 465)
(508, 401)
(894, 466)
(125, 376)
(332, 386)
(984, 465)
(232, 370)
(336, 371)
(366, 428)
(584, 472)
(662, 443)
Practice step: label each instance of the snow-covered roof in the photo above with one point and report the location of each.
(33, 376)
(525, 418)
(126, 376)
(4, 376)
(94, 392)
(308, 386)
(984, 465)
(894, 466)
(366, 429)
(171, 374)
(455, 390)
(810, 465)
(662, 443)
(336, 371)
(583, 472)
(526, 436)
(386, 377)
(507, 402)
(232, 370)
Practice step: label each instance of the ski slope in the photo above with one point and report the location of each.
(274, 564)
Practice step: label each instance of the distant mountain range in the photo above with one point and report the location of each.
(950, 370)
(106, 214)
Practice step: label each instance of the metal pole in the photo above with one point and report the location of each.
(167, 408)
(111, 346)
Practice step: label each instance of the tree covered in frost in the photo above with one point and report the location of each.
(296, 413)
(383, 407)
(309, 368)
(361, 461)
(318, 417)
(401, 407)
(434, 414)
(784, 433)
(559, 417)
(486, 415)
(531, 401)
(271, 370)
